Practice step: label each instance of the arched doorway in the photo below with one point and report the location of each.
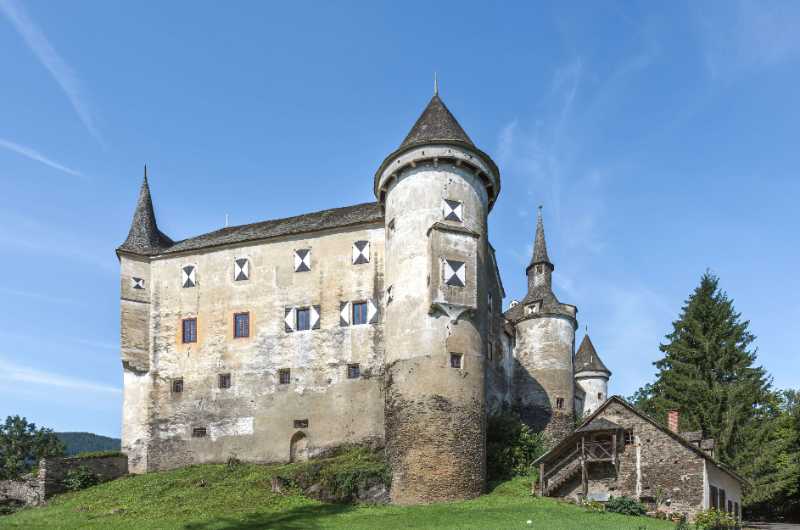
(298, 448)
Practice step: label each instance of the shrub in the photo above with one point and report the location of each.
(511, 447)
(594, 506)
(713, 519)
(681, 523)
(79, 478)
(625, 506)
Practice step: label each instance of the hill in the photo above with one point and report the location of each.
(240, 496)
(82, 442)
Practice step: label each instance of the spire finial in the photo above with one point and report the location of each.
(145, 171)
(435, 84)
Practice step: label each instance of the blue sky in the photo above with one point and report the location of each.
(661, 139)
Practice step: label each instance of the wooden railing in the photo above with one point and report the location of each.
(598, 450)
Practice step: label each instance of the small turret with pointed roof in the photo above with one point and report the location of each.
(540, 270)
(587, 360)
(144, 237)
(436, 123)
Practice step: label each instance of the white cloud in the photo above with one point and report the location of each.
(64, 75)
(12, 373)
(38, 157)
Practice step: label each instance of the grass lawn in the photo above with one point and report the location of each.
(213, 496)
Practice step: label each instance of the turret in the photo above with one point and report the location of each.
(144, 240)
(437, 189)
(544, 388)
(591, 376)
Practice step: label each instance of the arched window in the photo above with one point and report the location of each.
(298, 448)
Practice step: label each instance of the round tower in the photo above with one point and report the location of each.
(436, 189)
(544, 386)
(591, 376)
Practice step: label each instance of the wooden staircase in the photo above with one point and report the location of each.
(562, 476)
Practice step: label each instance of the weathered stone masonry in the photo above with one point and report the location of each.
(406, 345)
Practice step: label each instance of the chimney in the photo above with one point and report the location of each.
(672, 420)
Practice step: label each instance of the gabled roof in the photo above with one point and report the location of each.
(369, 212)
(598, 424)
(587, 360)
(436, 123)
(144, 237)
(675, 436)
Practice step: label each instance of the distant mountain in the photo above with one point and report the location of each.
(81, 442)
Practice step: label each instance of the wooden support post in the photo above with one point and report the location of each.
(541, 479)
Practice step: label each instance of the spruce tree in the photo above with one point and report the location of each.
(709, 373)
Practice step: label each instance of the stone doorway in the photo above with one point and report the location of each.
(298, 448)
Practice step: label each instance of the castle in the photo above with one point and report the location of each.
(379, 323)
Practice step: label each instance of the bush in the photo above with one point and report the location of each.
(79, 478)
(594, 506)
(511, 447)
(712, 519)
(681, 523)
(625, 506)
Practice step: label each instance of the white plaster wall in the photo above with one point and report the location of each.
(722, 480)
(592, 386)
(544, 347)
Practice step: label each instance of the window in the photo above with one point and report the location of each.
(490, 351)
(491, 304)
(353, 371)
(241, 269)
(284, 376)
(302, 260)
(714, 497)
(559, 403)
(454, 273)
(199, 432)
(189, 330)
(600, 396)
(301, 424)
(456, 360)
(303, 319)
(360, 252)
(241, 325)
(730, 506)
(721, 499)
(137, 283)
(177, 385)
(189, 276)
(452, 210)
(629, 438)
(389, 295)
(736, 510)
(359, 313)
(224, 380)
(391, 226)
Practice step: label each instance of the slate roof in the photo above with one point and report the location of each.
(436, 123)
(144, 236)
(586, 359)
(369, 212)
(599, 424)
(539, 244)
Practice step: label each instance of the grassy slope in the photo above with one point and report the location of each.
(212, 496)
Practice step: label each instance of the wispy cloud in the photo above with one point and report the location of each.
(64, 75)
(11, 372)
(37, 296)
(38, 157)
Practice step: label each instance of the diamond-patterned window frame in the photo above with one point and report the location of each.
(361, 250)
(302, 260)
(453, 210)
(241, 269)
(137, 283)
(189, 276)
(454, 272)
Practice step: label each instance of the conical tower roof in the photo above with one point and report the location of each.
(539, 244)
(144, 236)
(436, 123)
(587, 360)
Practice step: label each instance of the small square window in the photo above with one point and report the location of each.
(177, 385)
(199, 432)
(303, 316)
(284, 376)
(600, 396)
(189, 330)
(629, 438)
(454, 273)
(359, 313)
(456, 360)
(224, 380)
(241, 325)
(137, 283)
(452, 210)
(559, 403)
(301, 424)
(353, 371)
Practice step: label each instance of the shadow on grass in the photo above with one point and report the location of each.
(303, 517)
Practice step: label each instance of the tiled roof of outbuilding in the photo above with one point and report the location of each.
(436, 123)
(369, 212)
(587, 360)
(144, 236)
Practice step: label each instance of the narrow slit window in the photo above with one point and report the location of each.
(359, 313)
(177, 385)
(241, 325)
(559, 403)
(199, 432)
(456, 360)
(284, 376)
(353, 371)
(189, 330)
(224, 380)
(303, 319)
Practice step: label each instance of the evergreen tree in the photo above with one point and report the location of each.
(708, 372)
